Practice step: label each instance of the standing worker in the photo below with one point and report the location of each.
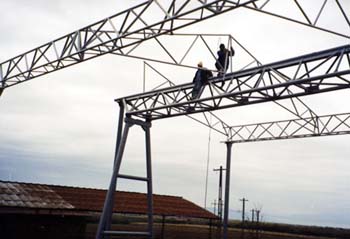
(200, 79)
(223, 61)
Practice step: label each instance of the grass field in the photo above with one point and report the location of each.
(190, 231)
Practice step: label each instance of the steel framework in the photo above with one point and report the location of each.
(323, 71)
(326, 125)
(104, 228)
(310, 16)
(294, 105)
(123, 32)
(318, 72)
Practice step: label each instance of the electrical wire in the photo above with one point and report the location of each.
(208, 160)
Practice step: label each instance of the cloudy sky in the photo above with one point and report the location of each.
(60, 128)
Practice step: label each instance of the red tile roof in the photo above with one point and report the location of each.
(73, 199)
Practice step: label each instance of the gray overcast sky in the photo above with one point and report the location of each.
(60, 128)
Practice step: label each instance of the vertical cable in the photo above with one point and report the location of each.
(208, 160)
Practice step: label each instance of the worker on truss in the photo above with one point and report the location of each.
(223, 62)
(200, 79)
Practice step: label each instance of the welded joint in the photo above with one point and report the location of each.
(162, 8)
(317, 124)
(143, 124)
(228, 141)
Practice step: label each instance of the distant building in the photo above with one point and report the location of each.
(30, 210)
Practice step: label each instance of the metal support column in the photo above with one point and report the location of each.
(120, 126)
(146, 128)
(119, 136)
(227, 188)
(104, 228)
(108, 205)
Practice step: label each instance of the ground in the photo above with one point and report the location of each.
(184, 231)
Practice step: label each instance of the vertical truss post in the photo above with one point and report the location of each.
(227, 188)
(105, 220)
(146, 128)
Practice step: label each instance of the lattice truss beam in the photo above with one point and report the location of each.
(295, 106)
(119, 33)
(311, 13)
(124, 31)
(314, 73)
(336, 124)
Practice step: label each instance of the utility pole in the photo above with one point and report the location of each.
(220, 203)
(253, 215)
(257, 223)
(257, 216)
(243, 200)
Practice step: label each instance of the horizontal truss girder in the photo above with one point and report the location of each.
(118, 33)
(121, 32)
(314, 73)
(310, 16)
(335, 124)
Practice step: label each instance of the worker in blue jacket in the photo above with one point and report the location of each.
(200, 79)
(223, 61)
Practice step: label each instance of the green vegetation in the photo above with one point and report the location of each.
(295, 229)
(316, 231)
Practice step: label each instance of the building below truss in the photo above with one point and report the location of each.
(30, 210)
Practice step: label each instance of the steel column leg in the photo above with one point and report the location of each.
(108, 205)
(120, 127)
(119, 136)
(149, 182)
(227, 188)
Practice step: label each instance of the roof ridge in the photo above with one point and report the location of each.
(80, 187)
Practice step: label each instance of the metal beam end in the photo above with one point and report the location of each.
(138, 122)
(227, 142)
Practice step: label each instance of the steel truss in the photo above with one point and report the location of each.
(327, 125)
(310, 17)
(120, 32)
(124, 31)
(318, 72)
(294, 105)
(104, 228)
